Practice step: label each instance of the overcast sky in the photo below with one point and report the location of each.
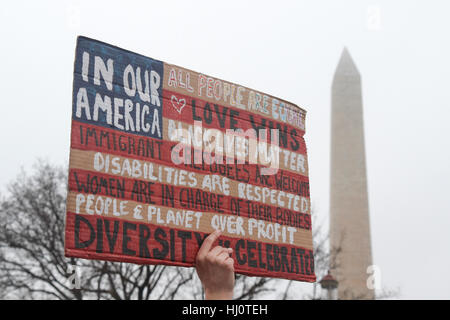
(285, 48)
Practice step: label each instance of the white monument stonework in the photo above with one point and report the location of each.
(349, 210)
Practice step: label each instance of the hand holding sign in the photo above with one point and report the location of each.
(215, 268)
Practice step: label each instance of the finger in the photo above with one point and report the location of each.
(229, 263)
(224, 255)
(215, 252)
(226, 252)
(207, 244)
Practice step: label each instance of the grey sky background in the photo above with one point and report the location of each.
(289, 49)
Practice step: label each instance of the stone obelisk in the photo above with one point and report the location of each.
(349, 210)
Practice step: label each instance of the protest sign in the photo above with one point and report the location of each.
(161, 156)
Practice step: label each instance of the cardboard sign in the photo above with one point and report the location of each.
(161, 156)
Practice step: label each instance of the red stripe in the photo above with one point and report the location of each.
(248, 259)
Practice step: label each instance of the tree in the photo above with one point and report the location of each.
(325, 259)
(33, 265)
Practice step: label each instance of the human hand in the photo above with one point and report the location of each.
(215, 268)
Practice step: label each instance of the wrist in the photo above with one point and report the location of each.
(218, 294)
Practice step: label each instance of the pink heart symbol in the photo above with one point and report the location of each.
(178, 104)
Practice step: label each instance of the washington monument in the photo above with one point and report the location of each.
(349, 209)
